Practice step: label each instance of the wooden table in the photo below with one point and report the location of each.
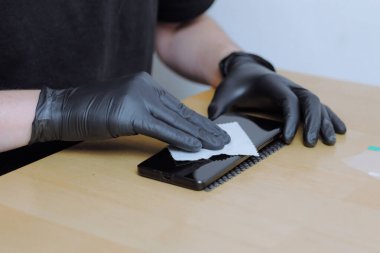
(89, 198)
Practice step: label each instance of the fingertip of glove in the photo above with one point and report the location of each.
(214, 142)
(194, 148)
(287, 140)
(308, 144)
(211, 115)
(330, 141)
(192, 145)
(310, 139)
(214, 147)
(226, 137)
(288, 136)
(213, 112)
(341, 129)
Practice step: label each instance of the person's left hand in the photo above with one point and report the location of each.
(250, 82)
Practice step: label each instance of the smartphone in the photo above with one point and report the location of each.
(197, 175)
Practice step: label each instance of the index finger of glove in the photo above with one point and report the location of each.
(311, 113)
(290, 110)
(277, 89)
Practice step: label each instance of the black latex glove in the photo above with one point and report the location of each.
(250, 83)
(127, 106)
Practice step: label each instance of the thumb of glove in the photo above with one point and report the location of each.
(215, 110)
(223, 98)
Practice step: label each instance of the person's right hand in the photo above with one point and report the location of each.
(130, 105)
(251, 84)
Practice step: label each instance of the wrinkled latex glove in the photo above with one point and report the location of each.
(127, 106)
(251, 83)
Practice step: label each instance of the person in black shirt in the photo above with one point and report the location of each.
(77, 70)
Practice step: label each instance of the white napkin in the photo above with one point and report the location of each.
(240, 145)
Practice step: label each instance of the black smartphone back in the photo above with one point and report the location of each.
(197, 175)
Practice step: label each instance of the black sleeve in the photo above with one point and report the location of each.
(181, 10)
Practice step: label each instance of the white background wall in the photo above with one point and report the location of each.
(333, 38)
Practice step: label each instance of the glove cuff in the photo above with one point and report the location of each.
(43, 128)
(228, 62)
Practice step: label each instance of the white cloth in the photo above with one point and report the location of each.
(240, 145)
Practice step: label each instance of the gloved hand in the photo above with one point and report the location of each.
(127, 106)
(250, 83)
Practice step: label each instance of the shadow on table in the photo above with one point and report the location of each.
(17, 158)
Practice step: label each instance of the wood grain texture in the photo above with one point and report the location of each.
(89, 198)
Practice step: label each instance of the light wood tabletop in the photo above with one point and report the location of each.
(89, 198)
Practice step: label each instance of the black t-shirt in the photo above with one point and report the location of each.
(65, 43)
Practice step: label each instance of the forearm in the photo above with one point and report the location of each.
(17, 110)
(194, 49)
